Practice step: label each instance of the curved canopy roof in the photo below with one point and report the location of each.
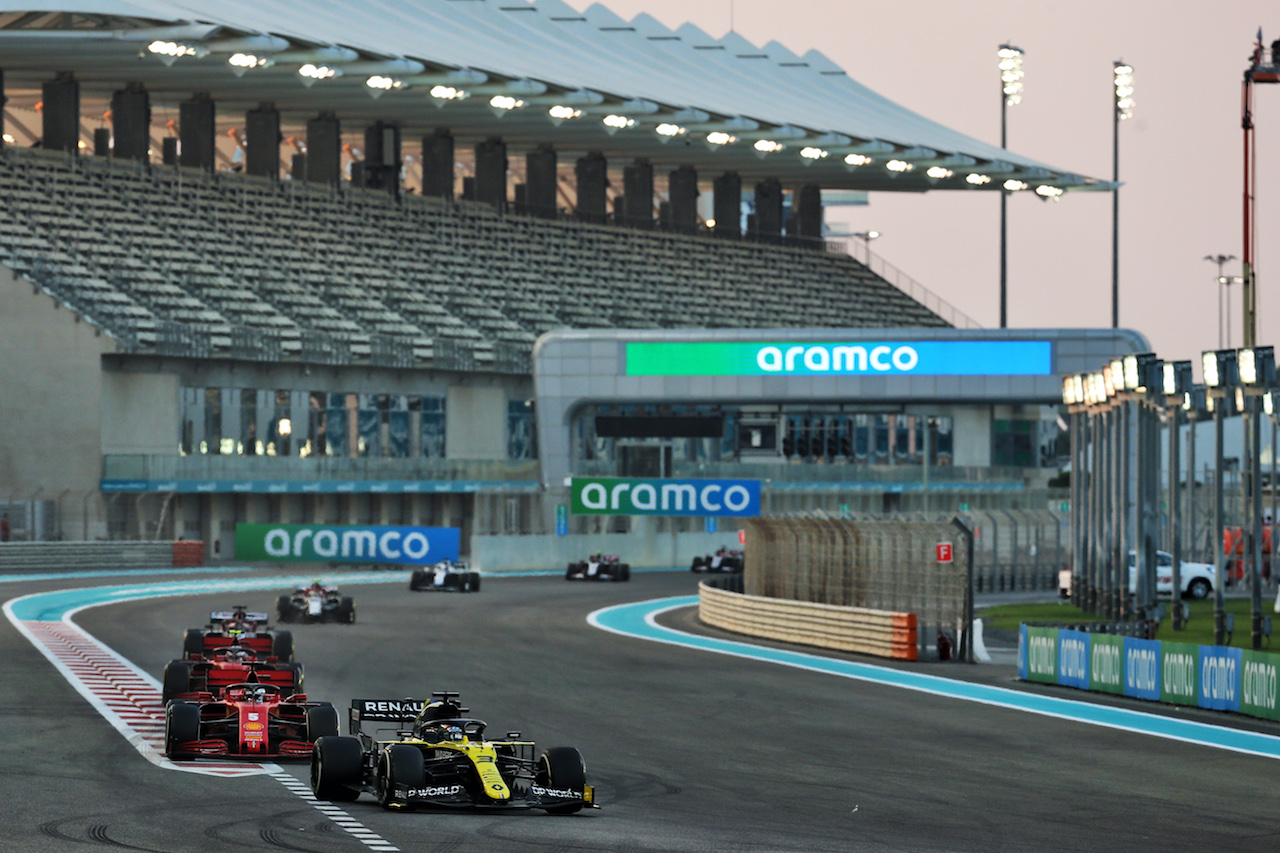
(496, 68)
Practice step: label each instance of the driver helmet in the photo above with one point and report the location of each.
(449, 731)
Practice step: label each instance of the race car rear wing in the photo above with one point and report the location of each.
(400, 711)
(228, 615)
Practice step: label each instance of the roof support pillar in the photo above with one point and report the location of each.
(61, 113)
(262, 141)
(769, 210)
(324, 149)
(637, 189)
(382, 157)
(593, 177)
(197, 129)
(806, 207)
(540, 182)
(491, 172)
(727, 203)
(131, 123)
(682, 189)
(437, 165)
(102, 142)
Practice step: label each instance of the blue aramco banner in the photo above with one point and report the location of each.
(322, 543)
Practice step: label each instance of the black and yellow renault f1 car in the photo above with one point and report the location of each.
(440, 758)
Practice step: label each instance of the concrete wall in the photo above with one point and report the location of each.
(476, 423)
(971, 435)
(525, 553)
(139, 413)
(50, 394)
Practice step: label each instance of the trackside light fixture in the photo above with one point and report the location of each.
(855, 160)
(1220, 373)
(505, 103)
(1257, 368)
(811, 153)
(719, 137)
(1014, 185)
(977, 179)
(1176, 378)
(242, 62)
(899, 166)
(1123, 79)
(1011, 73)
(767, 146)
(668, 130)
(447, 93)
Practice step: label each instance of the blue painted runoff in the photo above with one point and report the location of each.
(638, 620)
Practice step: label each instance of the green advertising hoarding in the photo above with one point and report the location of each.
(1180, 673)
(1042, 654)
(1258, 685)
(346, 543)
(1106, 663)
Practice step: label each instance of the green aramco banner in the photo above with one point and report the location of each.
(318, 543)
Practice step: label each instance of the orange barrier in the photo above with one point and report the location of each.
(188, 552)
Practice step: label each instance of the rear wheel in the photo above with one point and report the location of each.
(284, 608)
(417, 580)
(177, 680)
(475, 581)
(335, 768)
(322, 722)
(624, 572)
(401, 765)
(282, 645)
(1199, 589)
(193, 642)
(181, 724)
(298, 677)
(347, 610)
(573, 569)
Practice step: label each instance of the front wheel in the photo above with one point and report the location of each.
(177, 680)
(347, 610)
(335, 768)
(401, 765)
(1199, 589)
(284, 608)
(193, 642)
(322, 722)
(181, 725)
(562, 767)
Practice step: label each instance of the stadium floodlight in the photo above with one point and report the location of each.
(615, 122)
(1011, 73)
(667, 130)
(853, 161)
(169, 51)
(1176, 378)
(1123, 78)
(379, 84)
(767, 146)
(242, 62)
(1219, 367)
(977, 179)
(500, 105)
(899, 166)
(1014, 185)
(810, 153)
(9, 140)
(444, 94)
(1257, 368)
(938, 173)
(717, 138)
(561, 112)
(311, 72)
(1048, 192)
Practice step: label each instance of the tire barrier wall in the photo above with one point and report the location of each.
(53, 556)
(891, 566)
(1221, 678)
(846, 629)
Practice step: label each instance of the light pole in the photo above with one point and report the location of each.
(1010, 95)
(1122, 84)
(1177, 383)
(1221, 261)
(1219, 368)
(1257, 377)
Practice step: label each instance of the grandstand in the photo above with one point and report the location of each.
(336, 331)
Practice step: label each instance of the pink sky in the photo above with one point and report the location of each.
(1180, 155)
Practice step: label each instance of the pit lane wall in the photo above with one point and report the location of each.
(1221, 678)
(847, 629)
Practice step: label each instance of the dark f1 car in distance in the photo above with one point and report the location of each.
(250, 720)
(723, 560)
(446, 575)
(316, 603)
(437, 757)
(599, 567)
(226, 666)
(238, 627)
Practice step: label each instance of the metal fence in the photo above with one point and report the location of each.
(881, 565)
(1019, 549)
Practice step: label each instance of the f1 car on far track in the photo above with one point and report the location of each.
(250, 720)
(316, 603)
(599, 567)
(723, 560)
(240, 627)
(437, 757)
(445, 575)
(226, 666)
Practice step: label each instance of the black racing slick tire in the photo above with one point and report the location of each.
(1199, 589)
(282, 645)
(193, 642)
(299, 678)
(335, 768)
(474, 581)
(562, 767)
(347, 610)
(284, 609)
(181, 724)
(177, 680)
(322, 722)
(624, 572)
(417, 580)
(401, 764)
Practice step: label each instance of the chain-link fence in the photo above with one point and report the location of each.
(915, 567)
(1019, 549)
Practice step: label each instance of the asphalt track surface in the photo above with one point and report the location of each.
(689, 751)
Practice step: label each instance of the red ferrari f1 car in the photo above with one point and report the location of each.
(240, 627)
(228, 665)
(249, 720)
